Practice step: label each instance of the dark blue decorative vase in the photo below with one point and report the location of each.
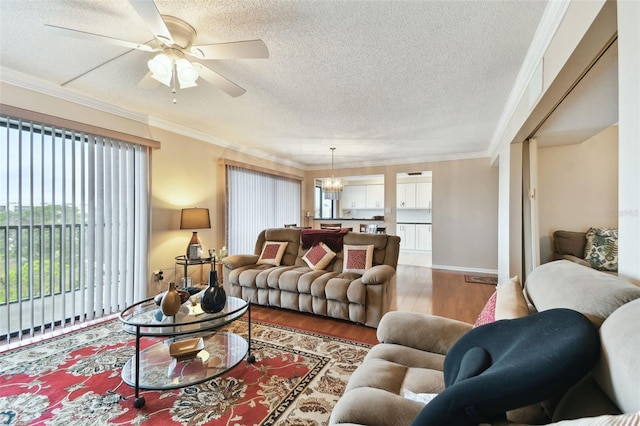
(214, 297)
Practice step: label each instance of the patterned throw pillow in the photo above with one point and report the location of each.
(601, 250)
(272, 252)
(488, 314)
(357, 258)
(319, 256)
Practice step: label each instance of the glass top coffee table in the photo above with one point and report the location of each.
(194, 350)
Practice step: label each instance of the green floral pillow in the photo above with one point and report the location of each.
(601, 250)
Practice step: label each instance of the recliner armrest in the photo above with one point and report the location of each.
(238, 260)
(429, 333)
(379, 274)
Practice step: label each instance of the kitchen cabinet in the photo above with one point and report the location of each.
(407, 234)
(414, 195)
(354, 197)
(406, 195)
(423, 237)
(375, 196)
(423, 195)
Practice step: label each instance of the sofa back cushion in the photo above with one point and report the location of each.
(569, 242)
(564, 284)
(618, 371)
(385, 251)
(292, 236)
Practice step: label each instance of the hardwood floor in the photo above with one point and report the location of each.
(420, 289)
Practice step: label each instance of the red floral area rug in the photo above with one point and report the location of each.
(75, 379)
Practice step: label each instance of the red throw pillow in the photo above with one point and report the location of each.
(272, 253)
(488, 314)
(357, 258)
(318, 256)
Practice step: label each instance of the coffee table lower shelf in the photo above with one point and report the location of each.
(158, 370)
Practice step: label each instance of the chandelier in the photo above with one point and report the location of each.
(332, 187)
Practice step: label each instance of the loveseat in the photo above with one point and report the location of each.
(332, 290)
(413, 347)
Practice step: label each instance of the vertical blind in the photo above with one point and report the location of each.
(256, 201)
(74, 211)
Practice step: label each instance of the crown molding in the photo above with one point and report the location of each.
(44, 87)
(413, 160)
(38, 85)
(206, 137)
(552, 17)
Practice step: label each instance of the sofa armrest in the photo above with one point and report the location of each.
(238, 260)
(575, 259)
(429, 333)
(379, 274)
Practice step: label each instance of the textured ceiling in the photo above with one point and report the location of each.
(386, 82)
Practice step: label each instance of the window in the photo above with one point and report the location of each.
(74, 209)
(257, 201)
(325, 209)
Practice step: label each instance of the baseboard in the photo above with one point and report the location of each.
(466, 269)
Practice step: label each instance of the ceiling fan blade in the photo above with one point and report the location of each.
(68, 32)
(148, 83)
(149, 13)
(222, 83)
(249, 49)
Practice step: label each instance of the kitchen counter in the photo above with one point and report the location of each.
(414, 223)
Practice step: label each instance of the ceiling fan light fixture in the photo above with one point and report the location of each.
(166, 80)
(187, 74)
(160, 67)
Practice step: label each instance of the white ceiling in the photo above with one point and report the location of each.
(386, 82)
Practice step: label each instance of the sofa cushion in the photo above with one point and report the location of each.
(601, 249)
(569, 242)
(357, 258)
(564, 284)
(318, 256)
(272, 252)
(618, 371)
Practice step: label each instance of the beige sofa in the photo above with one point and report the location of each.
(413, 348)
(360, 298)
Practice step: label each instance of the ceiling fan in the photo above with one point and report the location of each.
(173, 44)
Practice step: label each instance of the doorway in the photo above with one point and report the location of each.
(414, 207)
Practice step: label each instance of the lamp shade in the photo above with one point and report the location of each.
(195, 218)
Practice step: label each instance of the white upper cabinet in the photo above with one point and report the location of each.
(354, 197)
(406, 195)
(414, 195)
(375, 196)
(423, 195)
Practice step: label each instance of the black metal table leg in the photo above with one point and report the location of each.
(250, 358)
(139, 400)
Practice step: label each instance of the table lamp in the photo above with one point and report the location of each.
(194, 218)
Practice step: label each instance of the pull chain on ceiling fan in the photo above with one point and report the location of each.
(175, 38)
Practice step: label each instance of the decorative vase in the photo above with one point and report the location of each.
(184, 296)
(171, 301)
(214, 297)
